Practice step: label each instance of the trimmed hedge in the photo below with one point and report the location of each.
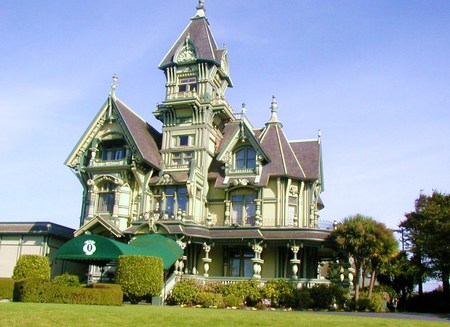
(140, 276)
(67, 280)
(32, 266)
(44, 291)
(6, 288)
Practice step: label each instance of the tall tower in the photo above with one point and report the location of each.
(194, 110)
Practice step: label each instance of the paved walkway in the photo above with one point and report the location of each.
(444, 317)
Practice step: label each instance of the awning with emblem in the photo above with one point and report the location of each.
(99, 250)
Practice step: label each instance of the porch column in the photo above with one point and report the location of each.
(258, 218)
(295, 262)
(206, 260)
(257, 261)
(179, 264)
(227, 221)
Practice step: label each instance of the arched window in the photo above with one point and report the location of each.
(106, 198)
(245, 158)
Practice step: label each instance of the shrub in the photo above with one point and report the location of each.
(328, 296)
(45, 291)
(249, 291)
(184, 292)
(6, 288)
(208, 299)
(139, 276)
(32, 266)
(232, 300)
(67, 280)
(374, 304)
(435, 302)
(280, 292)
(302, 299)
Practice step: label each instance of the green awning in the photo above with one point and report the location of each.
(99, 250)
(158, 245)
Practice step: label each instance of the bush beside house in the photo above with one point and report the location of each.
(139, 276)
(32, 266)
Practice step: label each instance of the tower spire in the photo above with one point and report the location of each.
(273, 111)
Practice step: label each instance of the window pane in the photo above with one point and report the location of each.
(182, 202)
(106, 202)
(184, 140)
(290, 218)
(234, 267)
(250, 214)
(169, 205)
(248, 268)
(237, 213)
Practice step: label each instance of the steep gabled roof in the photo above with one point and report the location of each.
(236, 131)
(146, 138)
(143, 137)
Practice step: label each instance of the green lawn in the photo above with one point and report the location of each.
(36, 314)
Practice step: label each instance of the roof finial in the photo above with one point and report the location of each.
(273, 110)
(114, 84)
(201, 9)
(244, 109)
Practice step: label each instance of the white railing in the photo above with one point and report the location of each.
(169, 285)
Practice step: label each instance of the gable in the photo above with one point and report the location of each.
(236, 134)
(115, 121)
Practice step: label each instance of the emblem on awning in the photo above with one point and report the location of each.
(89, 247)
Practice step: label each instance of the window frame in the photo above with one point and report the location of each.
(106, 198)
(243, 211)
(246, 162)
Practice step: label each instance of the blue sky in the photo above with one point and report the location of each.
(373, 76)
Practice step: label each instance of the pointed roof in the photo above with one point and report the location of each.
(199, 35)
(284, 160)
(146, 138)
(140, 135)
(308, 153)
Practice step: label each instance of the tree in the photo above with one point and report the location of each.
(428, 231)
(400, 274)
(356, 236)
(386, 247)
(32, 266)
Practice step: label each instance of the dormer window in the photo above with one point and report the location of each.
(112, 150)
(188, 84)
(245, 158)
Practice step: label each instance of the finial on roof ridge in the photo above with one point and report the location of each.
(114, 84)
(201, 9)
(273, 110)
(244, 109)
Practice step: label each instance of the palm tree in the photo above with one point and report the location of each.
(356, 236)
(386, 248)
